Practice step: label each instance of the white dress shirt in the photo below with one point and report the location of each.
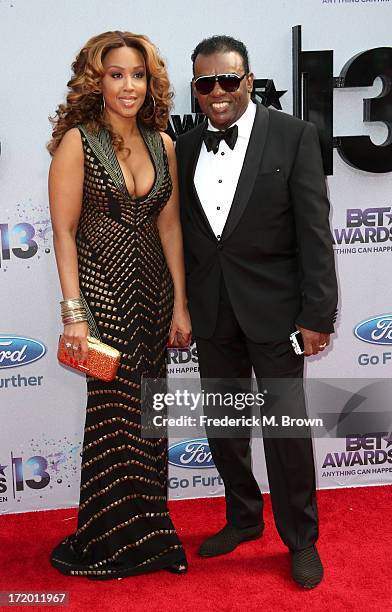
(217, 175)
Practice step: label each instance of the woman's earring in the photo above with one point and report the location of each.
(102, 103)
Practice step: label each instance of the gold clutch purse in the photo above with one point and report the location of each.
(102, 360)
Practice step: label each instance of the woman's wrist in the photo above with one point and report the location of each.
(73, 311)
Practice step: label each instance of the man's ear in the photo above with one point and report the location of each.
(194, 88)
(249, 82)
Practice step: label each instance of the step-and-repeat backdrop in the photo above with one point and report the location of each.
(42, 403)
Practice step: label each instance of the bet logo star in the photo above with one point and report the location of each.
(388, 440)
(265, 90)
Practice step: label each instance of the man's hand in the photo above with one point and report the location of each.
(314, 342)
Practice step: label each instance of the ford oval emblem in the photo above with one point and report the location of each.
(194, 454)
(377, 330)
(18, 351)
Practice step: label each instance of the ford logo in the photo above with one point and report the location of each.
(17, 351)
(377, 330)
(191, 454)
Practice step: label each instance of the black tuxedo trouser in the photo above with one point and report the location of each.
(229, 354)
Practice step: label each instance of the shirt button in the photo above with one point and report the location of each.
(218, 236)
(220, 180)
(219, 247)
(222, 152)
(218, 208)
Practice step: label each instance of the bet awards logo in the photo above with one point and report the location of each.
(366, 230)
(373, 450)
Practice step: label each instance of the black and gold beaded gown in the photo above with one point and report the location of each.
(123, 523)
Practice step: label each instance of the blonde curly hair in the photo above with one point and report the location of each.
(84, 100)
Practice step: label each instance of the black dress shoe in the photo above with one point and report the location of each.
(306, 567)
(227, 539)
(179, 567)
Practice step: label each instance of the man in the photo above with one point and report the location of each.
(260, 266)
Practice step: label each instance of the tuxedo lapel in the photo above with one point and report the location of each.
(249, 170)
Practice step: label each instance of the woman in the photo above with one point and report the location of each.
(114, 205)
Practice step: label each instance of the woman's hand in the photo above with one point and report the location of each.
(181, 329)
(75, 337)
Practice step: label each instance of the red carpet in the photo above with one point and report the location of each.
(355, 546)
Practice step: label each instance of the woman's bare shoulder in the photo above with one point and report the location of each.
(167, 141)
(71, 145)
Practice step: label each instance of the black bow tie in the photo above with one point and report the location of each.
(213, 139)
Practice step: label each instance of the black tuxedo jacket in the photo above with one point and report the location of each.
(275, 252)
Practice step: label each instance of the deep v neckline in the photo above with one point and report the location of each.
(120, 173)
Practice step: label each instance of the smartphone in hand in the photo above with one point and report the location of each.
(297, 342)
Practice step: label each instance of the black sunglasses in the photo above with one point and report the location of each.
(228, 82)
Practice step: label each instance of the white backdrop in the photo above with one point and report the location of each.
(41, 403)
